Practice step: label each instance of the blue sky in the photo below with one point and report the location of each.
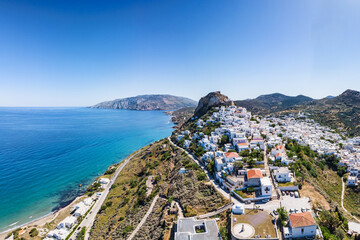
(78, 53)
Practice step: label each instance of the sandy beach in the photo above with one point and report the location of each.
(52, 218)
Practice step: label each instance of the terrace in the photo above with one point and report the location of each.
(254, 223)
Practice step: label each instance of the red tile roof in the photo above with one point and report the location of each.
(243, 144)
(254, 173)
(301, 219)
(231, 155)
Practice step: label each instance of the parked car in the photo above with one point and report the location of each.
(287, 192)
(291, 194)
(283, 193)
(296, 194)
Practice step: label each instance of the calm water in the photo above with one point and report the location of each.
(45, 153)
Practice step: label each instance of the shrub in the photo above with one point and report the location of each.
(33, 232)
(201, 176)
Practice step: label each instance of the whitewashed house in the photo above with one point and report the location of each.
(301, 225)
(282, 175)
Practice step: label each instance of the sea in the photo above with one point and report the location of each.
(47, 153)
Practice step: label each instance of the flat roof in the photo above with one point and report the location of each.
(265, 181)
(186, 229)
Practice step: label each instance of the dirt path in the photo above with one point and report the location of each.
(212, 180)
(144, 218)
(180, 211)
(342, 200)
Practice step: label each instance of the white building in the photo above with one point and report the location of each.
(282, 175)
(352, 181)
(238, 209)
(266, 186)
(301, 225)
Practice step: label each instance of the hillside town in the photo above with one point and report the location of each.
(248, 158)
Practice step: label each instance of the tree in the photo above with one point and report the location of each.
(329, 220)
(224, 140)
(33, 232)
(238, 165)
(251, 163)
(283, 215)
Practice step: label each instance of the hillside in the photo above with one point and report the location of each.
(270, 103)
(180, 116)
(148, 102)
(341, 112)
(129, 199)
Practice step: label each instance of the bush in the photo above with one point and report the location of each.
(110, 171)
(201, 176)
(127, 229)
(33, 232)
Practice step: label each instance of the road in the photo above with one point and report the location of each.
(90, 218)
(342, 200)
(144, 218)
(209, 176)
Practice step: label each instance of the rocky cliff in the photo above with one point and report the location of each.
(213, 99)
(148, 102)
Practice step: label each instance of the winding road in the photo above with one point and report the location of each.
(212, 180)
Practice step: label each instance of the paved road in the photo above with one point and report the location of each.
(209, 176)
(90, 218)
(144, 218)
(342, 200)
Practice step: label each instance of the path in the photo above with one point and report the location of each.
(144, 218)
(212, 180)
(220, 210)
(90, 218)
(342, 200)
(180, 211)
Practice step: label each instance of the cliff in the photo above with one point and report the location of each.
(213, 99)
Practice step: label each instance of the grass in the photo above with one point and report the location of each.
(245, 194)
(352, 200)
(260, 220)
(286, 184)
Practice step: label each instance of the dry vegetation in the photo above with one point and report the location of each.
(127, 203)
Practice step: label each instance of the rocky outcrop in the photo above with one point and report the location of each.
(148, 102)
(213, 99)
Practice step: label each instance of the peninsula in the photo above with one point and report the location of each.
(148, 102)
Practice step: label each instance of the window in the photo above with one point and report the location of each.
(302, 231)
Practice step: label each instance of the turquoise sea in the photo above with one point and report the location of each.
(45, 153)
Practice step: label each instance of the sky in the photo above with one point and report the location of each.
(79, 53)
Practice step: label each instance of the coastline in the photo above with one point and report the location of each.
(41, 221)
(52, 216)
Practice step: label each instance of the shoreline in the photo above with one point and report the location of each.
(48, 218)
(41, 221)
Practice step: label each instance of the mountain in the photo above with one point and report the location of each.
(148, 102)
(270, 103)
(341, 112)
(213, 99)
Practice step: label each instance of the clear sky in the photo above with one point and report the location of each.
(79, 53)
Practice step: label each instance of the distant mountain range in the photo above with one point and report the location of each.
(340, 112)
(148, 102)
